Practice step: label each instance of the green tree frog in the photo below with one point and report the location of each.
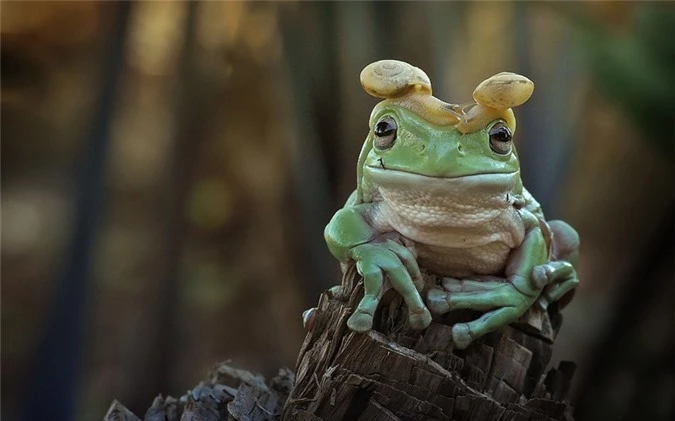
(439, 191)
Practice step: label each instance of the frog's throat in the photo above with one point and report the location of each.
(485, 183)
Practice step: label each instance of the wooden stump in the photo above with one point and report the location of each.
(394, 373)
(228, 394)
(391, 373)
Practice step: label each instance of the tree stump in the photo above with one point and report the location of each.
(391, 373)
(395, 373)
(228, 394)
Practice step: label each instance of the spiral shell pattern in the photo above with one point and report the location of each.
(393, 78)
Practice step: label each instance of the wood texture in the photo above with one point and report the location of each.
(394, 373)
(390, 374)
(228, 394)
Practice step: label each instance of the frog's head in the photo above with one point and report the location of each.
(412, 132)
(404, 141)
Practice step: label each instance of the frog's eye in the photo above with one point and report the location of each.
(385, 133)
(500, 138)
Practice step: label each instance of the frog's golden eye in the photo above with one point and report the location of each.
(385, 133)
(500, 138)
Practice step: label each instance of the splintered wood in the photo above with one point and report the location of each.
(391, 373)
(394, 373)
(228, 394)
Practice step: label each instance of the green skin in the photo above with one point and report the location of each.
(446, 202)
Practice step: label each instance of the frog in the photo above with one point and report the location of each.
(439, 191)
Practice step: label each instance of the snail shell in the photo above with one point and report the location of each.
(393, 78)
(503, 91)
(309, 318)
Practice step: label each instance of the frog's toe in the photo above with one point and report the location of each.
(437, 301)
(419, 319)
(360, 322)
(551, 273)
(337, 293)
(540, 276)
(461, 335)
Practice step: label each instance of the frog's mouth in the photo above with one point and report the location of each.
(484, 182)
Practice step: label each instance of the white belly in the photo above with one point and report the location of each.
(489, 259)
(457, 233)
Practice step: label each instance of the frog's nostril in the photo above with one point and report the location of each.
(459, 149)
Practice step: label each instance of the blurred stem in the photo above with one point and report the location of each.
(52, 385)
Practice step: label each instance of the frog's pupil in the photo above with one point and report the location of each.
(383, 128)
(500, 134)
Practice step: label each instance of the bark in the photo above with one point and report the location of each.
(228, 394)
(392, 373)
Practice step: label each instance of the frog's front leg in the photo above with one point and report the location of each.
(503, 301)
(351, 238)
(373, 261)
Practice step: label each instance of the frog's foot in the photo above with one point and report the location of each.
(419, 319)
(437, 301)
(470, 285)
(556, 278)
(474, 295)
(338, 293)
(465, 333)
(362, 319)
(461, 335)
(373, 262)
(502, 301)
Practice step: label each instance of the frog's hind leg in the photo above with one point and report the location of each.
(557, 279)
(465, 333)
(559, 276)
(565, 242)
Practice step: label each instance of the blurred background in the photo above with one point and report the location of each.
(168, 168)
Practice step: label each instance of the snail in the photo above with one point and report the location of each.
(408, 86)
(393, 78)
(503, 91)
(495, 97)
